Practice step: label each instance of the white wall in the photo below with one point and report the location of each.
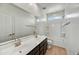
(72, 32)
(9, 15)
(72, 37)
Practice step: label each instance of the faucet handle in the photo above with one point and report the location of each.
(13, 33)
(10, 34)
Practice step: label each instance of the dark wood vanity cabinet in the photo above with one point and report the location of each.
(39, 49)
(43, 47)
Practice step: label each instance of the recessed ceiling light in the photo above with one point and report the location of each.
(31, 3)
(72, 15)
(44, 8)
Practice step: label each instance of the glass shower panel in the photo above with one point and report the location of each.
(41, 25)
(55, 21)
(5, 28)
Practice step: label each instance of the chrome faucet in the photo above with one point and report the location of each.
(17, 41)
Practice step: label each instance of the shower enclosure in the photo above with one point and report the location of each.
(55, 31)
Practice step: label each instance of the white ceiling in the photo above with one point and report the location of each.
(53, 7)
(37, 9)
(50, 7)
(29, 7)
(47, 5)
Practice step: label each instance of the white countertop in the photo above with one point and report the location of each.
(27, 44)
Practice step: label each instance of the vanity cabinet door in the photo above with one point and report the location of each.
(43, 47)
(36, 50)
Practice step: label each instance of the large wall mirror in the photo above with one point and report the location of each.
(13, 21)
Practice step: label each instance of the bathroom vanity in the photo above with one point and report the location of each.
(29, 46)
(40, 49)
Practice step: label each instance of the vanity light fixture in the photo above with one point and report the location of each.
(30, 3)
(72, 15)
